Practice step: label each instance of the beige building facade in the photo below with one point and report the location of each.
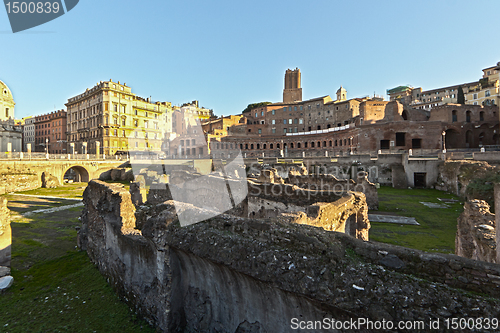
(486, 91)
(110, 119)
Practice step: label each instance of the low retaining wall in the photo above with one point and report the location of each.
(5, 238)
(233, 274)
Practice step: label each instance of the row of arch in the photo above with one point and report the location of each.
(292, 145)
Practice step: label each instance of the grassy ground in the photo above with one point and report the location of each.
(438, 226)
(57, 288)
(73, 190)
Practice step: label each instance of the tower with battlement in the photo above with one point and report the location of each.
(292, 91)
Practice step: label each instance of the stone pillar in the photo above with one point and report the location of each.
(497, 219)
(97, 149)
(5, 238)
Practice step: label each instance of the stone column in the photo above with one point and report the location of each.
(97, 149)
(497, 219)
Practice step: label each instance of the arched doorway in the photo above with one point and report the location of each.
(77, 174)
(469, 142)
(452, 139)
(481, 139)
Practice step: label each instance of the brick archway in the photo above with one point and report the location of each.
(78, 173)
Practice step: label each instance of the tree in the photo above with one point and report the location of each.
(460, 96)
(255, 105)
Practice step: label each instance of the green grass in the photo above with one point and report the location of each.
(73, 190)
(438, 226)
(57, 288)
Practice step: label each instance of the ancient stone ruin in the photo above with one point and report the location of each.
(5, 246)
(237, 274)
(476, 236)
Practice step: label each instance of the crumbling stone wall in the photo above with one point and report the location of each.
(234, 274)
(18, 182)
(342, 211)
(5, 238)
(476, 236)
(333, 184)
(455, 177)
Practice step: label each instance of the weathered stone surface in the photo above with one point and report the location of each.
(476, 236)
(15, 182)
(106, 175)
(392, 261)
(331, 183)
(49, 181)
(5, 234)
(4, 271)
(232, 273)
(137, 194)
(141, 180)
(270, 176)
(399, 177)
(6, 282)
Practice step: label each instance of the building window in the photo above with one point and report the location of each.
(467, 116)
(290, 121)
(135, 111)
(481, 116)
(474, 96)
(284, 130)
(401, 139)
(301, 120)
(273, 130)
(273, 121)
(284, 121)
(262, 113)
(136, 123)
(487, 93)
(260, 131)
(453, 116)
(273, 112)
(256, 114)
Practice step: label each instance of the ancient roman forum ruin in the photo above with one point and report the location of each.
(250, 222)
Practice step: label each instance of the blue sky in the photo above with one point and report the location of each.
(227, 54)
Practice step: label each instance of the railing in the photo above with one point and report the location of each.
(59, 157)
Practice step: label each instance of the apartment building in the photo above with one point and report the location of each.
(109, 119)
(50, 133)
(29, 134)
(486, 92)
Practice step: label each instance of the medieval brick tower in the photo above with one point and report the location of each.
(292, 91)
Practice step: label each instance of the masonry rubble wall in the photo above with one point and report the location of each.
(16, 182)
(333, 184)
(234, 274)
(454, 176)
(476, 232)
(5, 238)
(342, 211)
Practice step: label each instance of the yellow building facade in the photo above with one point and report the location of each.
(486, 92)
(109, 119)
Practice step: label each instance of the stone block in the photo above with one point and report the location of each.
(49, 181)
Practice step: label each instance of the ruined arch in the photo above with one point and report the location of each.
(469, 140)
(481, 138)
(404, 115)
(77, 173)
(452, 139)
